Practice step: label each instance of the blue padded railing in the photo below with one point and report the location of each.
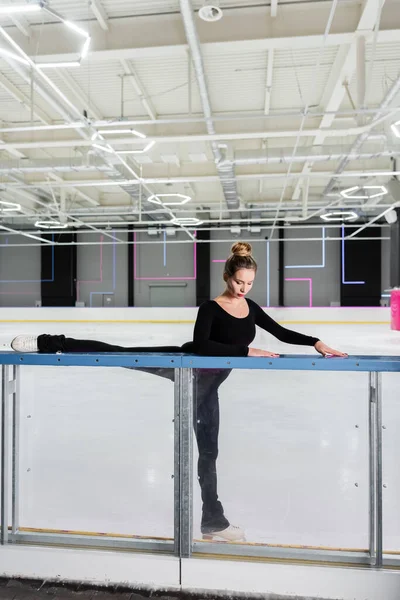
(286, 362)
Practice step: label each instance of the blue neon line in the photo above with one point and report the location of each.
(34, 280)
(165, 248)
(313, 266)
(343, 270)
(268, 275)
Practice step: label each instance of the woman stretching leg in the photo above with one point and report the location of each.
(225, 326)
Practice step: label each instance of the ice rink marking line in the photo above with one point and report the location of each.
(180, 322)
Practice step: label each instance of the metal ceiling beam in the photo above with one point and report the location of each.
(135, 82)
(23, 100)
(21, 24)
(76, 191)
(84, 100)
(342, 73)
(100, 13)
(179, 139)
(257, 45)
(268, 84)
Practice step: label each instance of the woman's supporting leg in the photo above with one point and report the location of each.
(206, 427)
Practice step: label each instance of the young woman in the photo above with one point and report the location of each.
(225, 326)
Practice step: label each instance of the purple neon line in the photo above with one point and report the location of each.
(216, 261)
(343, 270)
(303, 279)
(163, 278)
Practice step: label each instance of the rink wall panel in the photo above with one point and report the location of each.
(164, 272)
(176, 315)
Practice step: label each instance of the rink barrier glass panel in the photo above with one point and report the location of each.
(184, 365)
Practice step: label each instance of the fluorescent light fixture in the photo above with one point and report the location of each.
(122, 131)
(186, 221)
(155, 199)
(9, 206)
(51, 225)
(77, 29)
(395, 128)
(10, 9)
(56, 65)
(85, 48)
(138, 134)
(95, 136)
(9, 54)
(391, 217)
(146, 149)
(381, 191)
(339, 215)
(103, 148)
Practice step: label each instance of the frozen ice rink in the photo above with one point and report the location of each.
(97, 443)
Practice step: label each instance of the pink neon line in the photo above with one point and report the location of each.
(78, 283)
(163, 278)
(303, 279)
(222, 260)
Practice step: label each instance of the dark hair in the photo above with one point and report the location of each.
(240, 258)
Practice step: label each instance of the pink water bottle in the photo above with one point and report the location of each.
(395, 309)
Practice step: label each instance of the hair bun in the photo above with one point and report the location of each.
(241, 249)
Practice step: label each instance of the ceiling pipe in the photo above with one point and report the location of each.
(224, 166)
(199, 179)
(317, 154)
(242, 157)
(355, 148)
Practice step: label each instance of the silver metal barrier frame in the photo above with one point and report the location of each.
(183, 544)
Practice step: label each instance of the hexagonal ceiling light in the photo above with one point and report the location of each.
(340, 215)
(380, 191)
(9, 206)
(186, 221)
(51, 224)
(155, 199)
(395, 127)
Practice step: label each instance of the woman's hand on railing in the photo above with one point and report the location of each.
(258, 352)
(327, 351)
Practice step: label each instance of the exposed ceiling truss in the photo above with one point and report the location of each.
(265, 116)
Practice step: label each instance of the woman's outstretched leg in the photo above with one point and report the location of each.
(51, 344)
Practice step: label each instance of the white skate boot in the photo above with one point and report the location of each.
(230, 534)
(25, 343)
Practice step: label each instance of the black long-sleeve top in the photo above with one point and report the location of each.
(217, 333)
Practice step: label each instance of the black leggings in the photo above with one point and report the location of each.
(205, 413)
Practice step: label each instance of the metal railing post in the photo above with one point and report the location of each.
(375, 469)
(186, 463)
